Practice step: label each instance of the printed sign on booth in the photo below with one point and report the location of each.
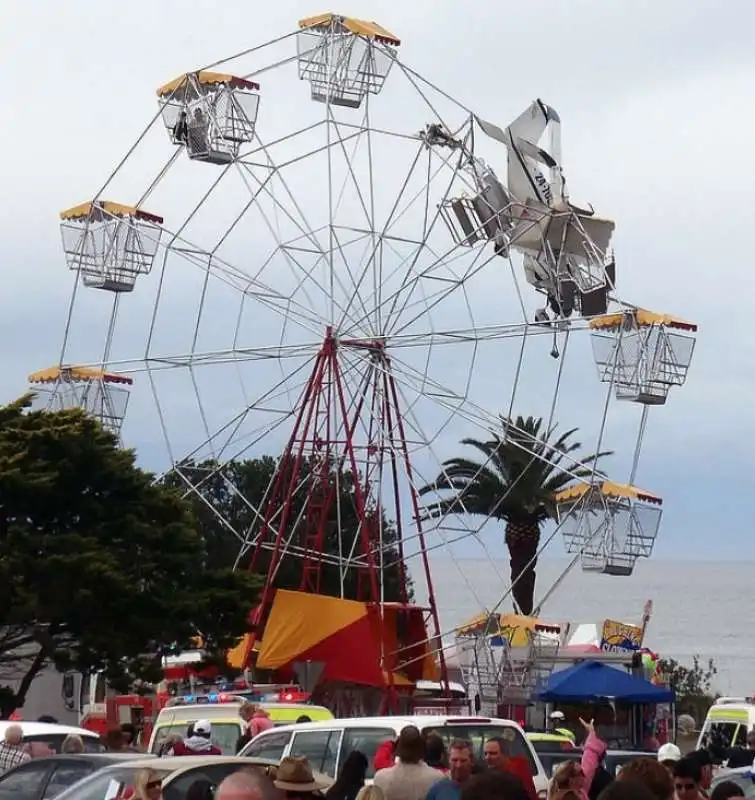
(620, 637)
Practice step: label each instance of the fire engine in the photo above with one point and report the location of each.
(99, 708)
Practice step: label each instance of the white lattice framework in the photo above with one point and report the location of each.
(370, 210)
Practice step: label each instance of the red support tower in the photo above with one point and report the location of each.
(348, 420)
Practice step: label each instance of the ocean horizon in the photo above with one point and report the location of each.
(698, 605)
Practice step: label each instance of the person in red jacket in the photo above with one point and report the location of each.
(385, 755)
(199, 743)
(497, 758)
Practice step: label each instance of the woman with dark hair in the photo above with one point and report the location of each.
(351, 778)
(113, 741)
(435, 752)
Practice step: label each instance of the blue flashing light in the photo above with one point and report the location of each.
(203, 699)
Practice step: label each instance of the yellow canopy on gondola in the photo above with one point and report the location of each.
(77, 375)
(608, 489)
(517, 628)
(206, 78)
(642, 317)
(359, 27)
(86, 210)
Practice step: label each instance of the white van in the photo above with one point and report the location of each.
(727, 723)
(326, 744)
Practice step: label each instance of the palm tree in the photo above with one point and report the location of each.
(517, 482)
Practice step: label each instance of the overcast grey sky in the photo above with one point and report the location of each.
(655, 100)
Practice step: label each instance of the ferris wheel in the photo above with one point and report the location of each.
(312, 250)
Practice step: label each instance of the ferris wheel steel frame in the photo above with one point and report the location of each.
(212, 116)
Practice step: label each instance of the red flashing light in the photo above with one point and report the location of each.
(294, 697)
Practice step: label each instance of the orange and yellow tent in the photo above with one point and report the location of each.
(365, 643)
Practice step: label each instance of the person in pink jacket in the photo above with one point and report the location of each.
(259, 722)
(577, 776)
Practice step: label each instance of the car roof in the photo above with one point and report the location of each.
(728, 771)
(397, 723)
(176, 766)
(205, 710)
(41, 728)
(106, 758)
(168, 720)
(175, 763)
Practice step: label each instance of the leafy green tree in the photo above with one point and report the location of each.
(229, 499)
(100, 567)
(693, 685)
(516, 481)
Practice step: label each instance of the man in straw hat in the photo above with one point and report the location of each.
(295, 778)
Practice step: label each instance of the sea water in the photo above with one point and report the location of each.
(699, 608)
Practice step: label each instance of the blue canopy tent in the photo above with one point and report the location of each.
(587, 681)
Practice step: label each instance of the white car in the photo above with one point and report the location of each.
(53, 735)
(177, 774)
(326, 744)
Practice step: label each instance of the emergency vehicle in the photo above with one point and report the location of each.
(223, 712)
(99, 708)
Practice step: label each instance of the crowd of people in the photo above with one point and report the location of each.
(418, 767)
(414, 766)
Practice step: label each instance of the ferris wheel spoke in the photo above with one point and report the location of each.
(329, 256)
(420, 384)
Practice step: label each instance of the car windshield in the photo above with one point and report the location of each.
(224, 734)
(479, 733)
(551, 759)
(549, 746)
(105, 784)
(92, 744)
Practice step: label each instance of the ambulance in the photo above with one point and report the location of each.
(221, 710)
(726, 724)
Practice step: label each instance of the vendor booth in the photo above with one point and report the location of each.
(626, 707)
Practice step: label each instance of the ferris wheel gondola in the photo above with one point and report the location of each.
(102, 394)
(211, 114)
(318, 253)
(642, 354)
(609, 525)
(110, 244)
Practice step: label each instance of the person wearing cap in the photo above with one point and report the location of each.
(557, 725)
(296, 779)
(199, 743)
(668, 755)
